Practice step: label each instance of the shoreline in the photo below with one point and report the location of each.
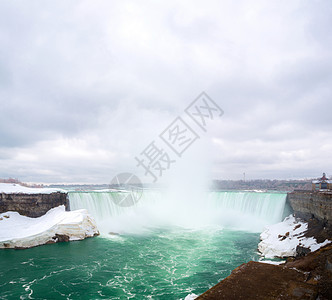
(306, 273)
(306, 277)
(57, 225)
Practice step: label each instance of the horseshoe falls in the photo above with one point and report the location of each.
(249, 211)
(165, 247)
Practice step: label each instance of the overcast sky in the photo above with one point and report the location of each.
(85, 86)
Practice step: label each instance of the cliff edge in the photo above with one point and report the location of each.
(30, 202)
(312, 204)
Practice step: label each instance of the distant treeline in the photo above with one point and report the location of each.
(260, 184)
(16, 181)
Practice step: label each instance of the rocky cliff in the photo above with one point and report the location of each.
(32, 205)
(306, 277)
(312, 204)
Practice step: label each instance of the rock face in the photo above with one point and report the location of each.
(306, 277)
(309, 204)
(32, 205)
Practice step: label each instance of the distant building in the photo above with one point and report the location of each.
(322, 184)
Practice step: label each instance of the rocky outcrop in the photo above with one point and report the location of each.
(32, 205)
(312, 204)
(57, 225)
(308, 277)
(293, 237)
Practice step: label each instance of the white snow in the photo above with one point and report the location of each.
(281, 240)
(11, 188)
(191, 296)
(271, 262)
(25, 232)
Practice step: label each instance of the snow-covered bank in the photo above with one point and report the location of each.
(14, 188)
(18, 231)
(281, 240)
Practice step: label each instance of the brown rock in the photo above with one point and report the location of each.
(302, 251)
(307, 277)
(309, 204)
(61, 238)
(32, 205)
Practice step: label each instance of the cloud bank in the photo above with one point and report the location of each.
(86, 86)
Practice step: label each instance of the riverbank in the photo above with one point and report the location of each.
(291, 237)
(307, 277)
(57, 225)
(304, 238)
(32, 217)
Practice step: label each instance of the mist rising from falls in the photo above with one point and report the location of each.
(249, 211)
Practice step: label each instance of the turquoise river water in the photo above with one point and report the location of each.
(144, 252)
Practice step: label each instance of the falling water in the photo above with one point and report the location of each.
(249, 211)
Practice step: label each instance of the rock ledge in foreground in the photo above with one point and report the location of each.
(306, 277)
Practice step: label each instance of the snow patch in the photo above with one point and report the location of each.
(271, 262)
(24, 232)
(191, 296)
(281, 239)
(14, 188)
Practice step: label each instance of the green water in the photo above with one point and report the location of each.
(161, 264)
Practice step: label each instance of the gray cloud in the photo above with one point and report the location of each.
(85, 87)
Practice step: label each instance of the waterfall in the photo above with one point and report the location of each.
(248, 210)
(240, 210)
(263, 206)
